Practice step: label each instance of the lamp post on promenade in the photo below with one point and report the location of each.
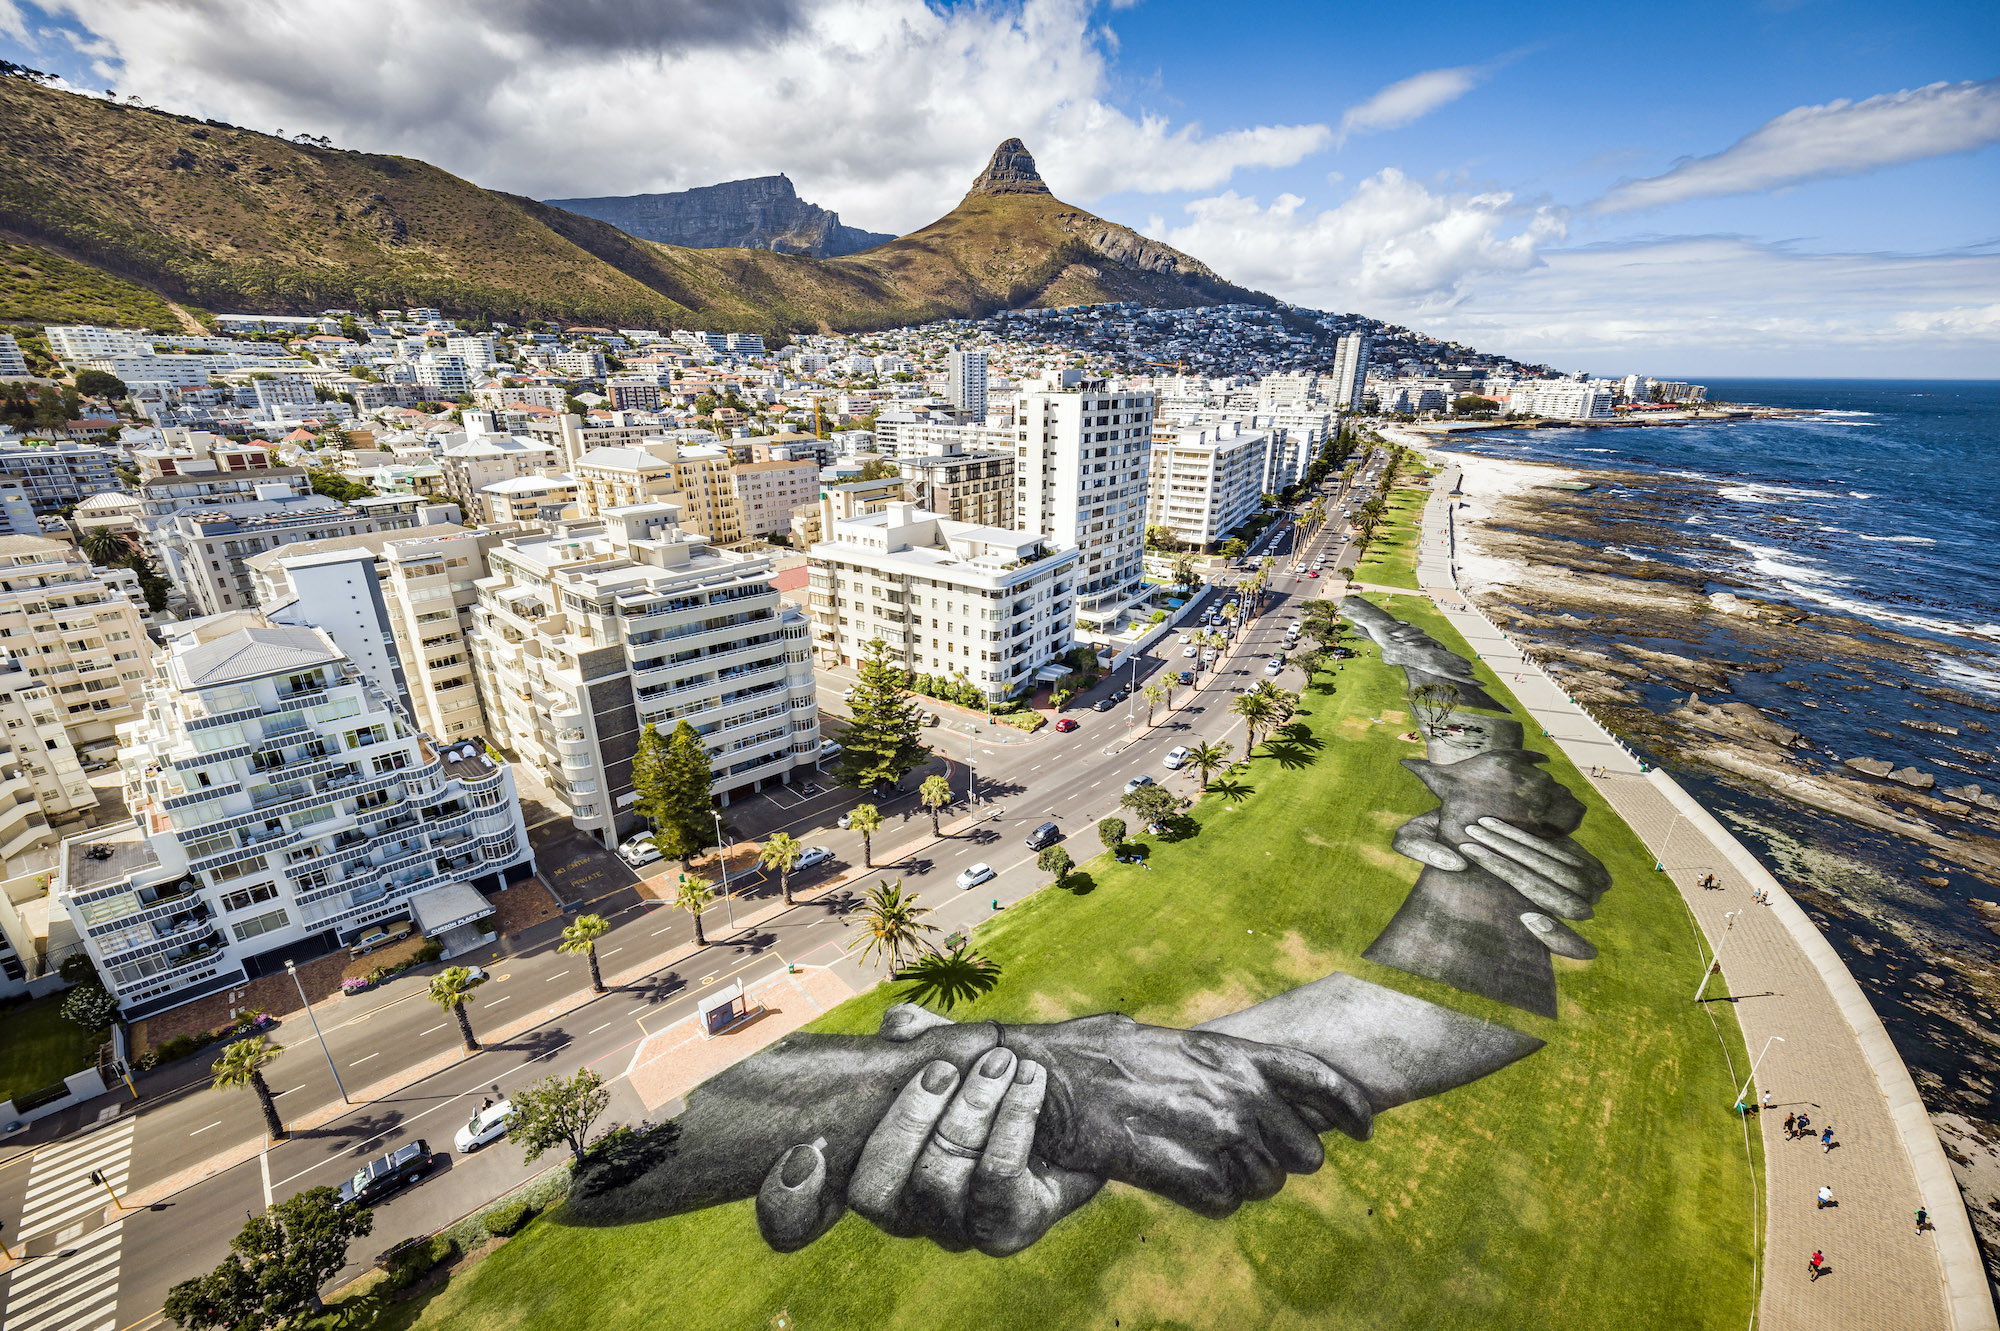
(292, 969)
(1758, 1061)
(1715, 961)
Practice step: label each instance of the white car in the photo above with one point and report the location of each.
(1187, 637)
(486, 1126)
(1137, 782)
(1176, 757)
(639, 850)
(1274, 665)
(973, 877)
(812, 858)
(1208, 656)
(1188, 650)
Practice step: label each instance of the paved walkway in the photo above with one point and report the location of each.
(1822, 1047)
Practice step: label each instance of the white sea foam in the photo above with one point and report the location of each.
(1857, 494)
(1756, 492)
(1901, 540)
(1769, 561)
(1843, 530)
(1824, 588)
(1593, 450)
(1978, 675)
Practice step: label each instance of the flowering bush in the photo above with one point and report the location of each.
(353, 984)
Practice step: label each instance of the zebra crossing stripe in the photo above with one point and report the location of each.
(75, 1290)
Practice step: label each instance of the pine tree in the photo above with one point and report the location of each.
(649, 776)
(885, 741)
(683, 818)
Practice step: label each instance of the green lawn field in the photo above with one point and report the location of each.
(1601, 1182)
(39, 1047)
(1391, 560)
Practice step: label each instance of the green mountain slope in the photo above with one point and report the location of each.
(110, 208)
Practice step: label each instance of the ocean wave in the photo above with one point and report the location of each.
(1971, 677)
(1899, 540)
(1858, 494)
(1594, 450)
(1830, 411)
(1780, 572)
(1843, 530)
(1756, 492)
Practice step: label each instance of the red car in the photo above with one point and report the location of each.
(1065, 725)
(1312, 573)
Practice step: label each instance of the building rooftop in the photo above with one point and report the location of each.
(104, 855)
(254, 653)
(305, 552)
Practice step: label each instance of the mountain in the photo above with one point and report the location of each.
(137, 207)
(764, 213)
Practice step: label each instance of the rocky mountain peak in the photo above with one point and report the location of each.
(1012, 171)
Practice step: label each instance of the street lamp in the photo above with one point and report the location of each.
(1715, 960)
(1754, 1065)
(722, 856)
(292, 969)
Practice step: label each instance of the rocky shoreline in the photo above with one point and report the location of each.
(1870, 788)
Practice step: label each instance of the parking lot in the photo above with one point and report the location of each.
(579, 871)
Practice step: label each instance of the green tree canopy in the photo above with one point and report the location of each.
(672, 780)
(275, 1267)
(885, 742)
(557, 1111)
(99, 383)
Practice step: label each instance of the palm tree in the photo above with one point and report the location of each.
(1155, 694)
(935, 794)
(1257, 712)
(582, 937)
(101, 545)
(243, 1064)
(867, 820)
(451, 989)
(1207, 759)
(1284, 705)
(781, 852)
(693, 894)
(893, 922)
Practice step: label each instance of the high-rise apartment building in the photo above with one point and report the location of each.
(279, 802)
(13, 365)
(1205, 483)
(767, 492)
(42, 781)
(963, 484)
(72, 630)
(58, 474)
(982, 604)
(1349, 378)
(586, 633)
(1082, 451)
(965, 384)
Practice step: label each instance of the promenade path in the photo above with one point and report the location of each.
(1823, 1049)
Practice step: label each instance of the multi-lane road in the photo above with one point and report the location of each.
(86, 1273)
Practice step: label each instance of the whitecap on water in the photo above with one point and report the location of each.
(1902, 540)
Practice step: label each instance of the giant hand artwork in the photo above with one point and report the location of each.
(985, 1135)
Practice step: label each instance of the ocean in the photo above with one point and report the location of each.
(1883, 508)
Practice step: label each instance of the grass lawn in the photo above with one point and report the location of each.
(1601, 1182)
(1391, 560)
(39, 1047)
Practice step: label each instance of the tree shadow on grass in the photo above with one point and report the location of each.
(1178, 826)
(1231, 789)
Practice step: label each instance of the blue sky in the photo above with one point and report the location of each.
(1788, 188)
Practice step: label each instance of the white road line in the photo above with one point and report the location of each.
(608, 951)
(440, 1026)
(559, 975)
(658, 932)
(198, 1131)
(494, 1002)
(364, 1058)
(264, 1163)
(595, 1029)
(287, 1091)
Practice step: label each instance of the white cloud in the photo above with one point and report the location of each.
(1393, 249)
(1410, 99)
(1841, 138)
(883, 109)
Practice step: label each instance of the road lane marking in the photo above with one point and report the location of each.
(440, 1026)
(595, 1029)
(364, 1058)
(619, 948)
(559, 975)
(495, 1002)
(198, 1131)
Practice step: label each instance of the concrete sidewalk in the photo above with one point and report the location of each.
(1786, 984)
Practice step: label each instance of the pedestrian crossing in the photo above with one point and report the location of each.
(71, 1281)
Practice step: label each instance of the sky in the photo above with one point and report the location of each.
(1766, 187)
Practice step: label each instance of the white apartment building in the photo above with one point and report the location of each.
(1206, 483)
(81, 342)
(75, 632)
(42, 781)
(280, 805)
(767, 492)
(984, 604)
(13, 365)
(1350, 372)
(965, 384)
(1081, 457)
(1562, 399)
(584, 634)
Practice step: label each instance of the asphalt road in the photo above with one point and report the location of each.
(1074, 779)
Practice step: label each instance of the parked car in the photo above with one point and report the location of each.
(1176, 757)
(1045, 835)
(977, 874)
(812, 857)
(381, 935)
(932, 719)
(379, 1179)
(1137, 782)
(639, 850)
(1187, 676)
(845, 821)
(1189, 650)
(1187, 637)
(1104, 704)
(1274, 665)
(829, 748)
(487, 1125)
(1066, 724)
(849, 695)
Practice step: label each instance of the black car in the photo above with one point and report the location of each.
(1045, 835)
(378, 1179)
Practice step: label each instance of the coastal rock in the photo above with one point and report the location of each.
(1911, 777)
(1736, 720)
(1871, 766)
(1972, 794)
(1702, 675)
(1932, 727)
(1746, 607)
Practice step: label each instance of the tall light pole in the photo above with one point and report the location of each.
(1715, 960)
(722, 857)
(1754, 1065)
(292, 969)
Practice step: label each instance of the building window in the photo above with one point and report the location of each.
(244, 897)
(240, 869)
(260, 924)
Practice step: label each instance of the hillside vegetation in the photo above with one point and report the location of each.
(110, 203)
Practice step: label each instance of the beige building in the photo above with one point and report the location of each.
(975, 487)
(531, 500)
(812, 523)
(485, 459)
(42, 781)
(767, 492)
(608, 478)
(74, 631)
(705, 490)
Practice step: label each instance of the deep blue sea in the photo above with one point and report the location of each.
(1885, 506)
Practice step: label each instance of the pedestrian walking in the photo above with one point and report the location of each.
(1817, 1261)
(1767, 1100)
(1826, 1141)
(1825, 1197)
(1923, 1219)
(1791, 1126)
(1805, 1124)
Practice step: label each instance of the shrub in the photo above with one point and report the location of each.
(1028, 721)
(181, 1046)
(412, 1263)
(504, 1220)
(432, 950)
(90, 1007)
